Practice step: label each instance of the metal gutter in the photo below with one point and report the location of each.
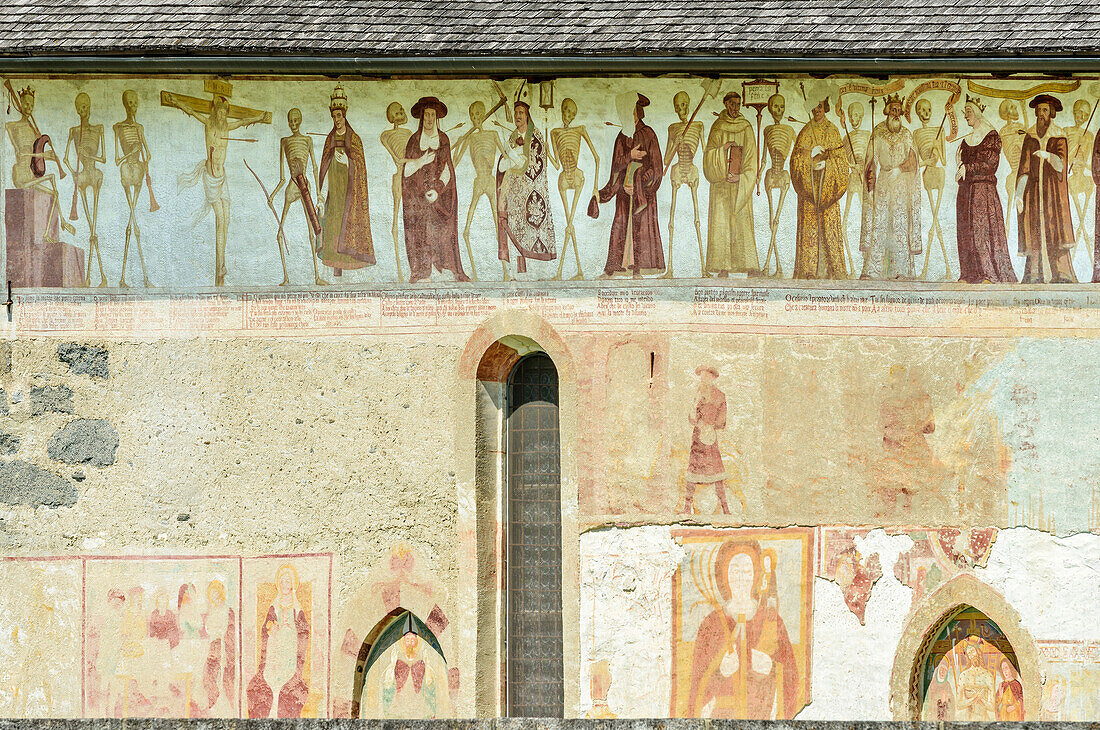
(545, 66)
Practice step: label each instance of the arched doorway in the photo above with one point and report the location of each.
(534, 670)
(401, 671)
(940, 628)
(970, 672)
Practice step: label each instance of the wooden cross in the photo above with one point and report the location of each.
(216, 88)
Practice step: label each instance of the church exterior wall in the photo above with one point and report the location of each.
(174, 457)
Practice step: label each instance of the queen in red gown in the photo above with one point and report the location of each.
(979, 218)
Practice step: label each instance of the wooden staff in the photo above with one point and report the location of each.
(702, 100)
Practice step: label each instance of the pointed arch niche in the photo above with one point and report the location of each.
(401, 650)
(965, 635)
(487, 363)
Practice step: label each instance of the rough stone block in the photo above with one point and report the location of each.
(84, 359)
(51, 399)
(24, 483)
(84, 441)
(9, 443)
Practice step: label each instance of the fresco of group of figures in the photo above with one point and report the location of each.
(191, 182)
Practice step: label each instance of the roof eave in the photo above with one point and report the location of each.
(544, 65)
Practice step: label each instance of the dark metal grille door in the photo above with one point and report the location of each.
(534, 669)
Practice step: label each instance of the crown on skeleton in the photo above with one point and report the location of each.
(25, 91)
(975, 102)
(338, 100)
(892, 99)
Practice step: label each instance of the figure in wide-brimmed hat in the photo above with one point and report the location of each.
(1042, 198)
(430, 197)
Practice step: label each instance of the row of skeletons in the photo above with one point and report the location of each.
(87, 143)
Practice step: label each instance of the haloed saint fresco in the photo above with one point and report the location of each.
(973, 181)
(741, 624)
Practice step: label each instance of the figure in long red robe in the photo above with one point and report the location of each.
(430, 196)
(1042, 198)
(636, 172)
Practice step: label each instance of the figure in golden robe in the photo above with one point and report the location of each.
(743, 665)
(820, 173)
(778, 141)
(1010, 694)
(730, 165)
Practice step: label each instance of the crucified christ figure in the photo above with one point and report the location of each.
(218, 119)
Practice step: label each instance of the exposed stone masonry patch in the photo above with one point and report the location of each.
(84, 441)
(51, 399)
(84, 359)
(25, 483)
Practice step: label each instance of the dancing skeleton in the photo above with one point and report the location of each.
(778, 141)
(565, 152)
(295, 151)
(88, 140)
(133, 170)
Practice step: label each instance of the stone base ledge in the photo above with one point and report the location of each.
(524, 724)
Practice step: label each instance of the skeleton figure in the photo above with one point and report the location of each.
(778, 141)
(1081, 186)
(855, 145)
(1012, 143)
(23, 134)
(87, 138)
(565, 152)
(394, 140)
(683, 144)
(484, 146)
(133, 169)
(295, 151)
(931, 156)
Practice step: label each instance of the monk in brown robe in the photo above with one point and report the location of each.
(1042, 198)
(346, 238)
(743, 665)
(820, 174)
(636, 171)
(430, 197)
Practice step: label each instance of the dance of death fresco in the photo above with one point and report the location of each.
(191, 182)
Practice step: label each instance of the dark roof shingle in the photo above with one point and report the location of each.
(551, 27)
